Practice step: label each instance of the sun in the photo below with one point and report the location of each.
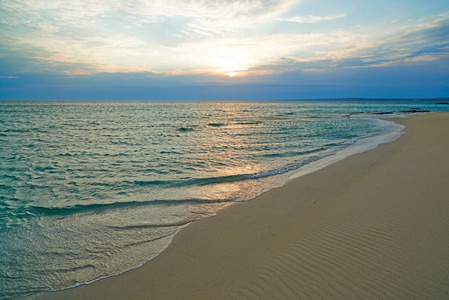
(234, 70)
(233, 64)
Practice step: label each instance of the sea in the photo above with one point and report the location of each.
(91, 189)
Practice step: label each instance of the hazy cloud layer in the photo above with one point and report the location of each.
(312, 19)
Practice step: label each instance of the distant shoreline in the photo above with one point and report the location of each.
(439, 99)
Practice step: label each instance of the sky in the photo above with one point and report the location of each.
(223, 50)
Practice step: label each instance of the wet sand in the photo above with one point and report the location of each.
(372, 226)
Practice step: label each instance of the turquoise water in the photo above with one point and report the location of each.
(92, 189)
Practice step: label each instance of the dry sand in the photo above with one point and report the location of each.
(373, 226)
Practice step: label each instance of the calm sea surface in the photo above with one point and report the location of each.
(92, 189)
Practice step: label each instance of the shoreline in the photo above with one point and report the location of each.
(365, 142)
(389, 135)
(250, 249)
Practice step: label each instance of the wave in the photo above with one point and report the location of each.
(288, 168)
(295, 153)
(146, 226)
(101, 207)
(177, 183)
(171, 183)
(249, 123)
(236, 177)
(216, 124)
(350, 142)
(185, 129)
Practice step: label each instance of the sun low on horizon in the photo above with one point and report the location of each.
(52, 44)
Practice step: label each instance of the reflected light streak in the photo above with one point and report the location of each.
(226, 140)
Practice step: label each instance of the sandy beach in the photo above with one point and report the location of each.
(372, 226)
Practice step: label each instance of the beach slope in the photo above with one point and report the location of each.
(372, 226)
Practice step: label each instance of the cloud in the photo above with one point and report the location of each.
(9, 77)
(425, 42)
(312, 19)
(175, 37)
(248, 54)
(124, 36)
(71, 12)
(417, 43)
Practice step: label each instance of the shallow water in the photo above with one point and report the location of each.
(92, 189)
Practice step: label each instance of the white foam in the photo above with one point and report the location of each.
(389, 133)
